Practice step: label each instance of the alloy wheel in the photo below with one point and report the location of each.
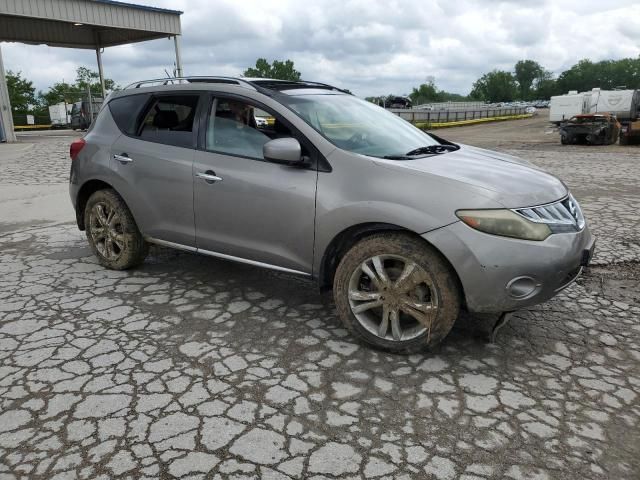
(393, 297)
(105, 226)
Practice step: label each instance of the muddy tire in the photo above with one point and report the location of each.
(565, 140)
(112, 232)
(395, 292)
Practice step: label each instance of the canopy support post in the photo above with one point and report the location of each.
(176, 43)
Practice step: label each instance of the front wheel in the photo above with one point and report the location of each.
(395, 292)
(112, 232)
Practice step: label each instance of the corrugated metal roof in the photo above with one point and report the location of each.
(84, 23)
(140, 7)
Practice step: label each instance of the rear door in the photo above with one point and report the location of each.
(257, 211)
(153, 162)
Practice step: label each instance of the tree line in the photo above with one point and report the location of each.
(25, 100)
(531, 81)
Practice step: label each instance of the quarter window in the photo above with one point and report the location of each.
(169, 120)
(126, 111)
(239, 128)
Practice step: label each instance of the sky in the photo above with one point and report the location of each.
(371, 47)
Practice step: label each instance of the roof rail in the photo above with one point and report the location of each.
(192, 79)
(273, 83)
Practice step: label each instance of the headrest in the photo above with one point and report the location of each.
(165, 119)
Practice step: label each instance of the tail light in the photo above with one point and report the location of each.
(75, 148)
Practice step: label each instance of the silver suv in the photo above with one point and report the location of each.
(406, 227)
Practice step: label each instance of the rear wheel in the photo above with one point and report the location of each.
(565, 140)
(394, 292)
(112, 232)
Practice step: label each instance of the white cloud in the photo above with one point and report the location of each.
(369, 46)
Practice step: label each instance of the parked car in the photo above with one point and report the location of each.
(590, 129)
(81, 113)
(406, 227)
(398, 102)
(261, 122)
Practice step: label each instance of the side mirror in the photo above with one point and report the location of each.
(286, 151)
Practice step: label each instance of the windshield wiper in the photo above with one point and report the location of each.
(432, 149)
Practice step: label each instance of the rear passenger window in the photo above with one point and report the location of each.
(169, 120)
(126, 111)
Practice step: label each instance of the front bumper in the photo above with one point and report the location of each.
(500, 274)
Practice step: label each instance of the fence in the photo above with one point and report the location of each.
(451, 106)
(21, 121)
(446, 116)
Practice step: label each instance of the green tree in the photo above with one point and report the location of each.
(89, 78)
(425, 93)
(429, 93)
(73, 92)
(278, 70)
(22, 93)
(581, 76)
(61, 92)
(495, 86)
(545, 86)
(606, 74)
(526, 71)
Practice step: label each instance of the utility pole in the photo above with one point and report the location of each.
(90, 104)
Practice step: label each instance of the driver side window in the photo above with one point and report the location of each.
(236, 127)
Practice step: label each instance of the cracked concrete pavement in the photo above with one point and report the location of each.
(193, 367)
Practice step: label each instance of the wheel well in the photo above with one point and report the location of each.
(341, 245)
(349, 237)
(85, 192)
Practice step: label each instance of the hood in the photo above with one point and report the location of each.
(509, 180)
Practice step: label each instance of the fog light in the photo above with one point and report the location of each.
(523, 287)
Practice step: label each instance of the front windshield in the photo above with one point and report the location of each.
(358, 126)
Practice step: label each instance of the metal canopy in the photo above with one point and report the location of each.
(89, 24)
(84, 24)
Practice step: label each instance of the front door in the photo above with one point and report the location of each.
(246, 207)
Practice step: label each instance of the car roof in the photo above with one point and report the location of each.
(268, 86)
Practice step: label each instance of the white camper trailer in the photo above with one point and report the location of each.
(624, 104)
(59, 115)
(563, 107)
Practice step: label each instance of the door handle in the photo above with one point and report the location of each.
(123, 158)
(209, 176)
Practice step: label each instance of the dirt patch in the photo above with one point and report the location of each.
(618, 282)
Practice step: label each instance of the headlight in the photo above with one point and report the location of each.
(504, 223)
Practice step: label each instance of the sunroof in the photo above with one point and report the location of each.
(288, 85)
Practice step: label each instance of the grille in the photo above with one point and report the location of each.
(565, 214)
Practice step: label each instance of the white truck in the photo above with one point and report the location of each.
(623, 104)
(59, 115)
